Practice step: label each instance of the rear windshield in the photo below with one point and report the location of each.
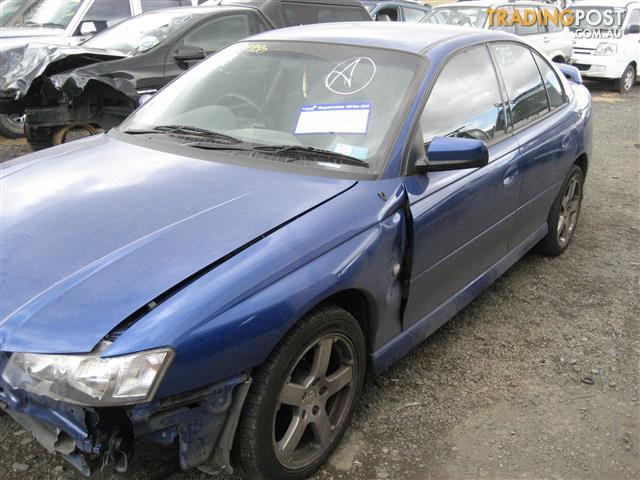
(307, 14)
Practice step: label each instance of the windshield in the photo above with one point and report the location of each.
(8, 8)
(140, 33)
(598, 18)
(44, 13)
(341, 99)
(463, 17)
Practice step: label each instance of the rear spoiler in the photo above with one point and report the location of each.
(572, 73)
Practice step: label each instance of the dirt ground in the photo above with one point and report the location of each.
(537, 379)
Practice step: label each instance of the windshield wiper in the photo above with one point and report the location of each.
(316, 154)
(215, 137)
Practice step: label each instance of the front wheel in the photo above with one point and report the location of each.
(12, 126)
(625, 83)
(302, 399)
(563, 218)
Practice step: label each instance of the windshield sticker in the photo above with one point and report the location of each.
(351, 76)
(354, 151)
(333, 118)
(257, 48)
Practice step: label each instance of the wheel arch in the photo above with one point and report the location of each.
(583, 162)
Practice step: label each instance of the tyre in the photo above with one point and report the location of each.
(39, 137)
(564, 215)
(303, 397)
(11, 126)
(625, 83)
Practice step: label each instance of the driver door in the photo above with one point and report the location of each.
(462, 219)
(211, 36)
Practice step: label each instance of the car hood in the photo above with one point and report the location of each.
(96, 229)
(22, 65)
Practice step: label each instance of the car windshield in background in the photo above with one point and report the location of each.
(140, 33)
(591, 14)
(9, 8)
(320, 105)
(474, 17)
(45, 13)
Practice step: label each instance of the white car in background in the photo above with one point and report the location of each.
(63, 22)
(600, 53)
(554, 41)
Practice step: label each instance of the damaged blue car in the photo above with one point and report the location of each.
(219, 272)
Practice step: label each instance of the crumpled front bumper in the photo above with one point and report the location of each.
(90, 438)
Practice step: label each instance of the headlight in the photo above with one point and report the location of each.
(89, 379)
(606, 49)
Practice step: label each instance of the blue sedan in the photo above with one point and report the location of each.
(220, 271)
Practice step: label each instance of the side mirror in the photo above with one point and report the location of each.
(452, 153)
(188, 53)
(572, 73)
(88, 27)
(632, 29)
(144, 99)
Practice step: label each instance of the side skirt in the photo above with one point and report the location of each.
(397, 348)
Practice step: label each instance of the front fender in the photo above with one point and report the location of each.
(229, 320)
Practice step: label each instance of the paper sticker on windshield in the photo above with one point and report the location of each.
(334, 118)
(352, 150)
(351, 76)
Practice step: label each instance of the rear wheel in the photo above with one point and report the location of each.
(625, 83)
(302, 399)
(12, 126)
(563, 218)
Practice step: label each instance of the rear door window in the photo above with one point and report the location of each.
(305, 14)
(413, 14)
(551, 82)
(525, 89)
(465, 101)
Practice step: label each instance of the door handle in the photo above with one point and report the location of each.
(546, 40)
(511, 177)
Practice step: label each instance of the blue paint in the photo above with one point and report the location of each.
(94, 230)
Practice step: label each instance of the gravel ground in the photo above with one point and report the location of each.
(537, 378)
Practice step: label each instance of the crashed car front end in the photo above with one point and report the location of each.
(90, 409)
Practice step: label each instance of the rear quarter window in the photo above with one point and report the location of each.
(296, 14)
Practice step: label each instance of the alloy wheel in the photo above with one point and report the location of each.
(569, 210)
(315, 401)
(628, 79)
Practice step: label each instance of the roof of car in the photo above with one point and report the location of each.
(262, 2)
(410, 37)
(407, 3)
(491, 3)
(197, 10)
(603, 3)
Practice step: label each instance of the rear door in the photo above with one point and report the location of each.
(462, 219)
(544, 128)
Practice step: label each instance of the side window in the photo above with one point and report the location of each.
(527, 95)
(465, 100)
(148, 5)
(413, 14)
(634, 21)
(305, 14)
(106, 13)
(552, 13)
(504, 28)
(524, 29)
(387, 14)
(220, 32)
(551, 82)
